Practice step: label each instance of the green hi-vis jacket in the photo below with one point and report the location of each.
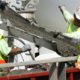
(4, 49)
(72, 29)
(69, 19)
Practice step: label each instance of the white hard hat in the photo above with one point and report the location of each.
(3, 32)
(77, 16)
(77, 13)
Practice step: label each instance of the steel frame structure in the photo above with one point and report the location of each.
(40, 37)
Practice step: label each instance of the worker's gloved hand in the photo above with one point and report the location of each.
(62, 8)
(56, 34)
(26, 48)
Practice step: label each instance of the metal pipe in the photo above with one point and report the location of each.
(60, 59)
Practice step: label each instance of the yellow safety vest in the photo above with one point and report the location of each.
(2, 60)
(71, 28)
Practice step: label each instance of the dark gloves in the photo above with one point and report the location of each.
(56, 34)
(61, 8)
(26, 48)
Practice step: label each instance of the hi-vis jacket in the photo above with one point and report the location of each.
(72, 30)
(4, 49)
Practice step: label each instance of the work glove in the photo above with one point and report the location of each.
(26, 48)
(62, 8)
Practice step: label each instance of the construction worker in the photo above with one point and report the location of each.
(5, 50)
(73, 22)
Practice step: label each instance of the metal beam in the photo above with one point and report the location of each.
(37, 40)
(61, 71)
(28, 32)
(53, 72)
(25, 11)
(57, 71)
(46, 37)
(61, 59)
(24, 24)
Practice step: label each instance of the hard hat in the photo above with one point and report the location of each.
(3, 32)
(77, 13)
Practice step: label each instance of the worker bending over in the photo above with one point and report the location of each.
(73, 22)
(6, 51)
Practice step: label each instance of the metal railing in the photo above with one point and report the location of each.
(56, 72)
